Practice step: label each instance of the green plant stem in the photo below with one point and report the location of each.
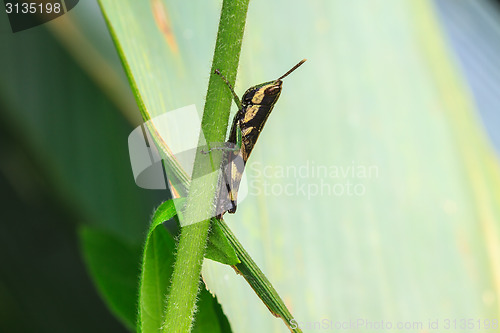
(181, 302)
(257, 280)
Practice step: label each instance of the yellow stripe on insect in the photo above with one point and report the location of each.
(247, 131)
(259, 94)
(253, 109)
(250, 113)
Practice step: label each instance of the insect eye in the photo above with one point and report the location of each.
(247, 98)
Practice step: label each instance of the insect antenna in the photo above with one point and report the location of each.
(291, 70)
(235, 97)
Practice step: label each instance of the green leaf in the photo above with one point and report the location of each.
(209, 317)
(76, 138)
(380, 89)
(156, 274)
(166, 62)
(156, 270)
(73, 130)
(114, 267)
(218, 247)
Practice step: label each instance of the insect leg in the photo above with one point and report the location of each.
(235, 97)
(238, 136)
(221, 148)
(237, 147)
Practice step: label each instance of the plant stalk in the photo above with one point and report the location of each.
(181, 301)
(257, 280)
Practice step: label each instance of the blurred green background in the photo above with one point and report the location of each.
(410, 87)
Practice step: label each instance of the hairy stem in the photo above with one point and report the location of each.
(186, 275)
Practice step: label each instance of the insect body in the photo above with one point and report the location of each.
(253, 111)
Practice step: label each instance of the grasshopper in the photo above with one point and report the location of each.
(253, 110)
